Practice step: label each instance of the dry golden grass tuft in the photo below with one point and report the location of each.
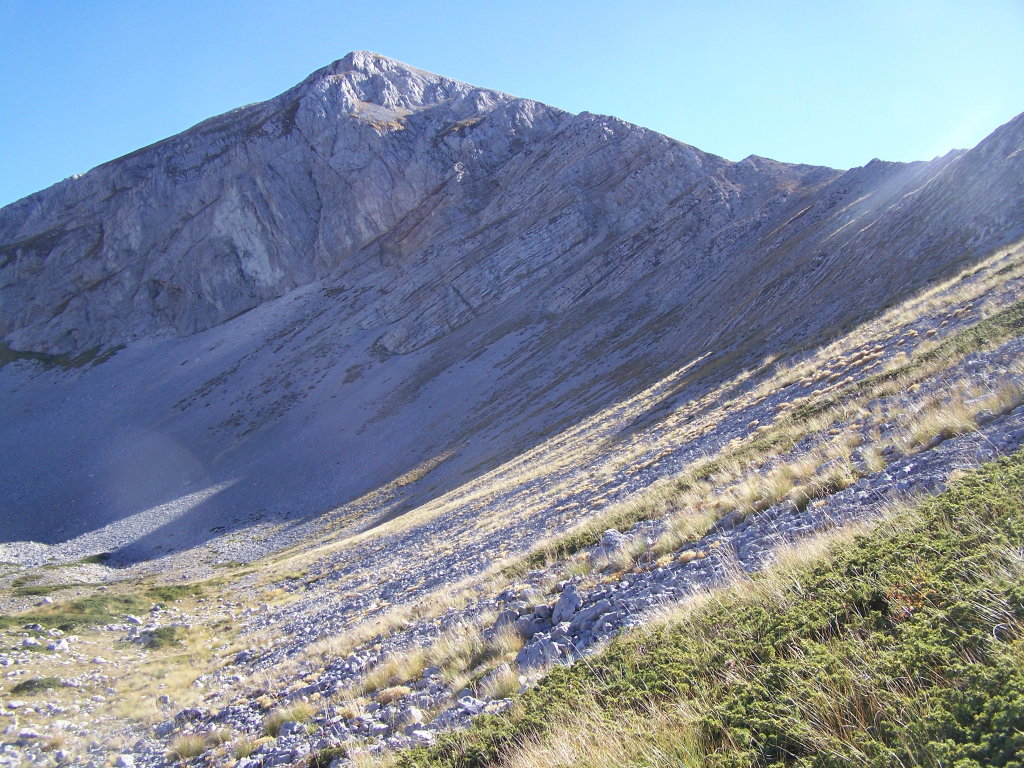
(346, 704)
(684, 528)
(940, 420)
(299, 712)
(245, 745)
(55, 741)
(395, 669)
(652, 737)
(393, 694)
(503, 683)
(186, 746)
(368, 759)
(505, 642)
(462, 653)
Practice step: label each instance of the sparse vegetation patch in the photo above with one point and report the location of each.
(35, 685)
(901, 646)
(88, 611)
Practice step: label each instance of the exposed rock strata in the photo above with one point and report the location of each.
(427, 274)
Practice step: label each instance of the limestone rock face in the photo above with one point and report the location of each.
(244, 207)
(444, 198)
(382, 268)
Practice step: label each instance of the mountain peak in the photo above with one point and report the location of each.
(365, 77)
(367, 60)
(369, 63)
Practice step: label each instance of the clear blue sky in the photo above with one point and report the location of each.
(834, 83)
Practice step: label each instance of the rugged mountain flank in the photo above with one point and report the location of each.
(384, 275)
(339, 420)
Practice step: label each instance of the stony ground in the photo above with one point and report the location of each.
(369, 630)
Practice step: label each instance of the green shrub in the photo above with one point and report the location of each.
(164, 637)
(97, 559)
(36, 685)
(324, 757)
(168, 593)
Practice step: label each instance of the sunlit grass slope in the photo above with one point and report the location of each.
(901, 646)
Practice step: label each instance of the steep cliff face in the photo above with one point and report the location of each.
(381, 267)
(366, 170)
(188, 232)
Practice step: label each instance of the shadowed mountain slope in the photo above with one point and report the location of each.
(386, 277)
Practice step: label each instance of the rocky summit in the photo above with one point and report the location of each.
(340, 419)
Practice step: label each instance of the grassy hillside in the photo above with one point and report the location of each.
(897, 646)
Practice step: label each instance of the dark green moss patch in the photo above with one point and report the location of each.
(166, 637)
(36, 685)
(94, 355)
(87, 611)
(39, 590)
(168, 593)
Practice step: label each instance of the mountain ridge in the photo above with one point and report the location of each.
(461, 281)
(338, 422)
(274, 113)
